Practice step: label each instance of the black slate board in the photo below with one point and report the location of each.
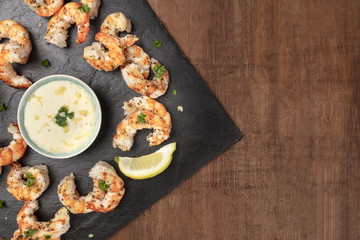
(202, 131)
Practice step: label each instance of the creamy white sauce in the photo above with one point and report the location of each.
(42, 107)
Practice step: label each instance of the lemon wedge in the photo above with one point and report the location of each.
(149, 165)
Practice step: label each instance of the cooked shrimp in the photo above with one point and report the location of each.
(98, 200)
(103, 173)
(94, 7)
(108, 53)
(116, 23)
(105, 59)
(132, 74)
(146, 103)
(71, 198)
(10, 77)
(15, 150)
(56, 227)
(127, 128)
(31, 189)
(136, 55)
(57, 31)
(19, 236)
(142, 112)
(44, 8)
(17, 50)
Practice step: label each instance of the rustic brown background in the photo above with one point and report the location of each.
(287, 72)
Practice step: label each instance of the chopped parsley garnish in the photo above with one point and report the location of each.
(48, 237)
(46, 63)
(157, 44)
(30, 179)
(2, 204)
(62, 115)
(2, 107)
(158, 70)
(71, 115)
(84, 8)
(141, 118)
(30, 232)
(174, 92)
(103, 186)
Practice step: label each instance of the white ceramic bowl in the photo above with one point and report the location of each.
(42, 82)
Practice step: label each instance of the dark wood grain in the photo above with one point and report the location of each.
(287, 72)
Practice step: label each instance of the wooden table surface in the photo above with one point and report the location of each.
(287, 72)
